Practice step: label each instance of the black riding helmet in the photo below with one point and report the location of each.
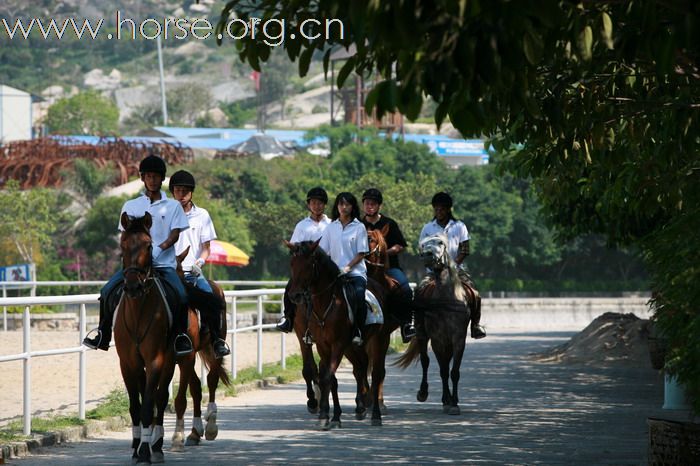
(181, 178)
(373, 194)
(152, 164)
(317, 193)
(442, 198)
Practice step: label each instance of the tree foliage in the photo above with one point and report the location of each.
(86, 113)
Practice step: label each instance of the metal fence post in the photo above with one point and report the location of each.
(260, 334)
(234, 334)
(27, 373)
(283, 344)
(83, 364)
(4, 309)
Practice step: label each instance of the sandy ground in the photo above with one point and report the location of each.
(54, 379)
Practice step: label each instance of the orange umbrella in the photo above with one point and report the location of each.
(224, 253)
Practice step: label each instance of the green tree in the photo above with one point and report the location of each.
(85, 113)
(28, 220)
(601, 98)
(88, 179)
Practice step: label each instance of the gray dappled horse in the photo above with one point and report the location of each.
(442, 307)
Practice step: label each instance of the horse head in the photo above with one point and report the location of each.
(179, 258)
(433, 252)
(309, 267)
(377, 255)
(135, 244)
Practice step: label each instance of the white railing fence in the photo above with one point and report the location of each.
(233, 299)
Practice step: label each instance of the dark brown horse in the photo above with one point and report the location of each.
(189, 378)
(315, 283)
(142, 338)
(442, 299)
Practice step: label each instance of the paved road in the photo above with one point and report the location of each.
(514, 411)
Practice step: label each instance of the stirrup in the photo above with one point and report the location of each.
(226, 350)
(408, 331)
(357, 339)
(308, 338)
(478, 332)
(96, 342)
(285, 325)
(183, 352)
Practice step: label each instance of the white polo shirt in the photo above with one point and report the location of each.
(309, 230)
(167, 215)
(455, 230)
(343, 244)
(200, 231)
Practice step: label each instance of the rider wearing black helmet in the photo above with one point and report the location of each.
(372, 201)
(168, 221)
(197, 241)
(308, 229)
(458, 248)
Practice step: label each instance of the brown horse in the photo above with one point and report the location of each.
(443, 301)
(310, 369)
(142, 338)
(377, 261)
(315, 283)
(189, 378)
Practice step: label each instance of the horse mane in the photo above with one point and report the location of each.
(381, 244)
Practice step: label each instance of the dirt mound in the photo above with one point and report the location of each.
(611, 339)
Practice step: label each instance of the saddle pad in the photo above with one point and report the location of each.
(375, 315)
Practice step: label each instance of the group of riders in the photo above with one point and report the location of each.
(178, 224)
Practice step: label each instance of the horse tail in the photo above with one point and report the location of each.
(409, 356)
(214, 365)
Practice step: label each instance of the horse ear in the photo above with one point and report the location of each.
(148, 220)
(125, 221)
(315, 245)
(181, 256)
(385, 230)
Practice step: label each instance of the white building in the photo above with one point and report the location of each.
(15, 114)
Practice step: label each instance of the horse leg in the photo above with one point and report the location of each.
(161, 400)
(186, 369)
(456, 363)
(443, 356)
(310, 373)
(146, 414)
(131, 381)
(197, 427)
(425, 363)
(325, 377)
(211, 431)
(335, 422)
(378, 374)
(358, 359)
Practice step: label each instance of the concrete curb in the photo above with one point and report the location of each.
(93, 427)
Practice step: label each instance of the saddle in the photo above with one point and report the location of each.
(374, 313)
(166, 290)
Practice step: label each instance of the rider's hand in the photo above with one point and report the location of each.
(155, 252)
(196, 270)
(344, 270)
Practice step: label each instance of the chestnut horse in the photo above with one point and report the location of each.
(188, 375)
(377, 261)
(315, 282)
(143, 340)
(443, 301)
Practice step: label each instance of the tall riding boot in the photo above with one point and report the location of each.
(286, 323)
(183, 344)
(221, 349)
(104, 329)
(477, 330)
(360, 313)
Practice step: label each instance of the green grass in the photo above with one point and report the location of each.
(12, 432)
(116, 404)
(250, 374)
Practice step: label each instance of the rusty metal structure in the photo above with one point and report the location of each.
(41, 162)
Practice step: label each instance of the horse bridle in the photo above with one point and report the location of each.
(307, 295)
(146, 273)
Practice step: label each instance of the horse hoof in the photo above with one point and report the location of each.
(453, 410)
(157, 457)
(422, 396)
(192, 441)
(323, 424)
(360, 415)
(312, 406)
(376, 421)
(383, 409)
(335, 425)
(211, 432)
